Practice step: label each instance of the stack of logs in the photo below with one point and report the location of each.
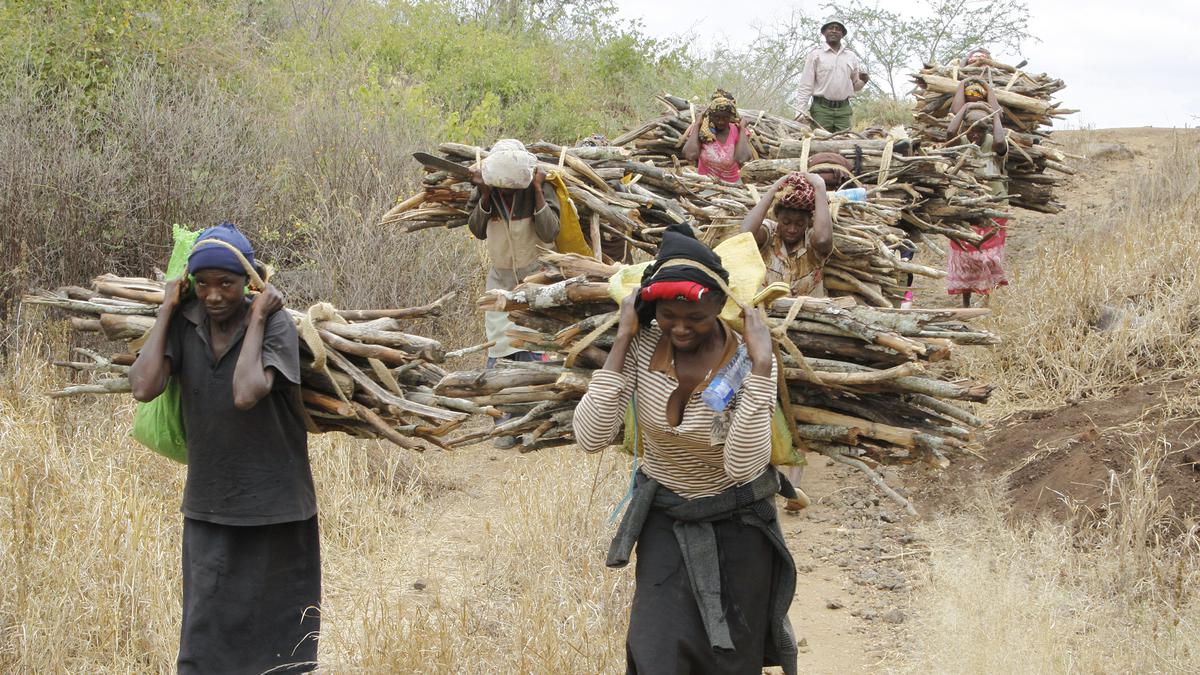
(1027, 113)
(634, 201)
(935, 186)
(361, 373)
(863, 383)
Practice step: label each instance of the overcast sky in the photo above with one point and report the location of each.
(1125, 63)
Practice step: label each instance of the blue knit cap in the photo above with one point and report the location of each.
(212, 256)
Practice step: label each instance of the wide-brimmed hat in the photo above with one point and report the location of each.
(833, 22)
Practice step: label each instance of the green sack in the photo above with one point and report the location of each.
(158, 425)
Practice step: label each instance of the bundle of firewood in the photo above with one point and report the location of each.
(361, 373)
(1028, 112)
(864, 384)
(635, 201)
(934, 191)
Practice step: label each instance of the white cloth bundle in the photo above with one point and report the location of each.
(509, 165)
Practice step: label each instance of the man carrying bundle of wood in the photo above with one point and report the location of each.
(251, 551)
(832, 74)
(516, 212)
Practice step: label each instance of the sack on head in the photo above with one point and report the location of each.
(509, 165)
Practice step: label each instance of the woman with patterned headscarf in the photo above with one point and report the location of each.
(799, 239)
(719, 141)
(794, 247)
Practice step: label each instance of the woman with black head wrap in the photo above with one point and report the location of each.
(714, 576)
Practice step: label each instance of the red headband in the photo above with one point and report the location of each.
(674, 290)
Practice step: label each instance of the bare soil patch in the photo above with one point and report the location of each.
(1056, 462)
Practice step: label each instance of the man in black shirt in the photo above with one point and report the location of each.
(251, 557)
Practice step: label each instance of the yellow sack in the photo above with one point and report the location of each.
(740, 257)
(570, 237)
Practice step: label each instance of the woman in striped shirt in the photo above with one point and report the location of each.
(714, 578)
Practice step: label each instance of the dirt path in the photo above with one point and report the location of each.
(849, 548)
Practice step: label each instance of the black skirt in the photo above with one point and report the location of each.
(666, 633)
(251, 597)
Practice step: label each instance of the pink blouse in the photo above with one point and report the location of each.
(716, 158)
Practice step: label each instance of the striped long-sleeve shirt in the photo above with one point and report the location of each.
(709, 451)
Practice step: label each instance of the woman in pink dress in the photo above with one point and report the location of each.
(719, 143)
(979, 269)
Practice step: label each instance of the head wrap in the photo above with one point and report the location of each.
(830, 161)
(681, 258)
(721, 102)
(975, 89)
(509, 165)
(212, 256)
(673, 290)
(795, 193)
(978, 51)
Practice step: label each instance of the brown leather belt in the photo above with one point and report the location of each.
(830, 104)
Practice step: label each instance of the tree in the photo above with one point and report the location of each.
(538, 16)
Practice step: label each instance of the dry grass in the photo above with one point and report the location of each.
(1107, 594)
(1131, 266)
(512, 566)
(1117, 597)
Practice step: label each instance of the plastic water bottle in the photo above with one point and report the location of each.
(851, 194)
(719, 392)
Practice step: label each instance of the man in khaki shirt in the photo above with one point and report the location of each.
(832, 74)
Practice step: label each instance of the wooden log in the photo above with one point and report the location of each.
(434, 308)
(87, 306)
(466, 384)
(900, 436)
(1008, 99)
(565, 293)
(108, 287)
(396, 211)
(366, 351)
(116, 385)
(386, 332)
(328, 404)
(829, 433)
(117, 327)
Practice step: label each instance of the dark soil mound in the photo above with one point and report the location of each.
(1071, 452)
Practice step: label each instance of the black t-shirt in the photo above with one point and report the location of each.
(245, 467)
